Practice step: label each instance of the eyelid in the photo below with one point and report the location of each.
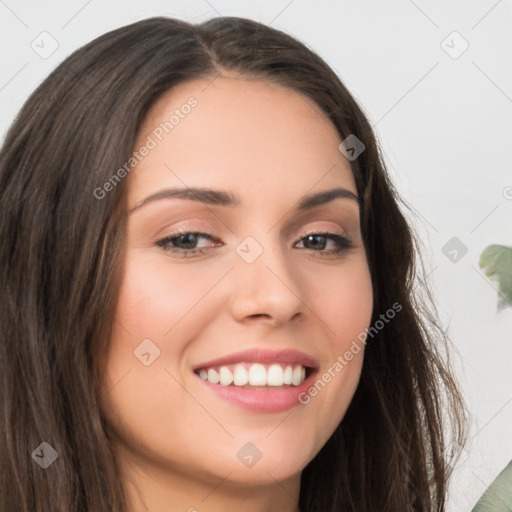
(183, 230)
(321, 231)
(343, 242)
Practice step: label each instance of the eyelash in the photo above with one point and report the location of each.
(344, 244)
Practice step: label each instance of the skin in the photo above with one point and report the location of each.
(176, 440)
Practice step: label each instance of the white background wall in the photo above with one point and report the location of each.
(445, 125)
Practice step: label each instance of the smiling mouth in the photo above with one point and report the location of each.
(255, 375)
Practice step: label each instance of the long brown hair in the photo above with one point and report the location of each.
(60, 258)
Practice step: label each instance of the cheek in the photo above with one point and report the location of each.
(157, 295)
(157, 302)
(344, 302)
(160, 308)
(345, 306)
(354, 306)
(147, 296)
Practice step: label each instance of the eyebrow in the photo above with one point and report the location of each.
(224, 198)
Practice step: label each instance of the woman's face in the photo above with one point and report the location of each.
(250, 295)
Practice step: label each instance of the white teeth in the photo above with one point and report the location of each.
(213, 376)
(275, 376)
(255, 374)
(226, 377)
(241, 376)
(287, 375)
(296, 376)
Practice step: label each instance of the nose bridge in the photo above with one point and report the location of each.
(264, 281)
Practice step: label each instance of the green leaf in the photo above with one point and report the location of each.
(497, 262)
(498, 496)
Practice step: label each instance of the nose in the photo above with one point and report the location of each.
(267, 289)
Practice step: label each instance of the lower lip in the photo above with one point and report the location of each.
(269, 400)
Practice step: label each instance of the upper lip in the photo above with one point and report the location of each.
(259, 355)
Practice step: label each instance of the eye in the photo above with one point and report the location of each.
(184, 243)
(317, 241)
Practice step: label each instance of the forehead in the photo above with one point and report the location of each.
(254, 137)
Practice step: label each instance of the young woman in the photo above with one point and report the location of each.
(208, 295)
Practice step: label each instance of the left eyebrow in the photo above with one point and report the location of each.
(224, 198)
(325, 197)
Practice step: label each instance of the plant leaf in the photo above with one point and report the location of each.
(497, 262)
(498, 496)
